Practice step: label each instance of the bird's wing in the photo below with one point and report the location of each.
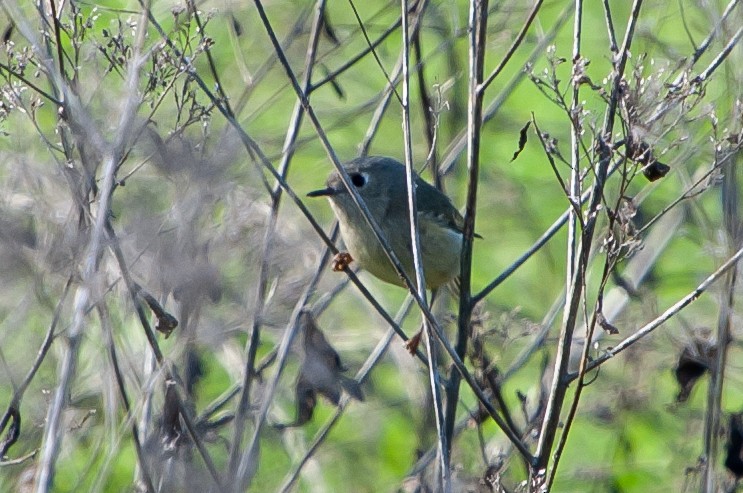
(437, 207)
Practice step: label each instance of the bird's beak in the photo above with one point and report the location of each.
(325, 192)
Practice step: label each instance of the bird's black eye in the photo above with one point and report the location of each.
(358, 180)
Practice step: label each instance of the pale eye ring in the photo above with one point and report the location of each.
(358, 179)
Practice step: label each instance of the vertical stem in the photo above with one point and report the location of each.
(717, 371)
(559, 385)
(478, 25)
(575, 185)
(420, 280)
(276, 194)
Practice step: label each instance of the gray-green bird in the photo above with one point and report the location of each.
(381, 182)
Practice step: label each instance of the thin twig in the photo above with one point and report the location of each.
(270, 230)
(404, 21)
(443, 477)
(477, 22)
(459, 142)
(713, 33)
(559, 385)
(572, 269)
(514, 46)
(663, 317)
(246, 466)
(18, 392)
(370, 48)
(168, 372)
(143, 463)
(707, 72)
(731, 223)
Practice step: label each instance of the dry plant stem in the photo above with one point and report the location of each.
(372, 50)
(572, 240)
(109, 341)
(541, 241)
(251, 146)
(18, 392)
(380, 237)
(715, 31)
(712, 419)
(53, 432)
(560, 381)
(664, 317)
(379, 111)
(667, 104)
(634, 273)
(247, 466)
(459, 145)
(389, 89)
(575, 137)
(444, 478)
(77, 117)
(123, 141)
(598, 310)
(57, 36)
(539, 339)
(19, 460)
(31, 85)
(194, 11)
(464, 424)
(570, 419)
(689, 193)
(459, 142)
(269, 63)
(164, 365)
(720, 57)
(427, 110)
(613, 47)
(374, 357)
(477, 23)
(263, 275)
(355, 59)
(514, 46)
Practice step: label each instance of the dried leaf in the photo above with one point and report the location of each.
(734, 449)
(655, 171)
(604, 324)
(320, 372)
(640, 152)
(165, 322)
(236, 25)
(696, 358)
(328, 29)
(14, 431)
(522, 140)
(7, 33)
(170, 431)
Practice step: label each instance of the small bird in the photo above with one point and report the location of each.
(381, 182)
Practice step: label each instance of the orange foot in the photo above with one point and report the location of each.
(341, 261)
(412, 344)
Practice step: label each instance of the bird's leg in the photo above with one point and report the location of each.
(412, 344)
(340, 261)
